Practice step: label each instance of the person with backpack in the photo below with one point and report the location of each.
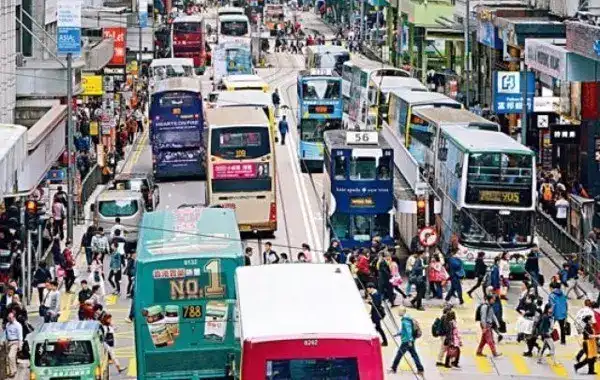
(487, 319)
(439, 329)
(452, 341)
(377, 311)
(480, 274)
(560, 311)
(417, 277)
(410, 331)
(547, 196)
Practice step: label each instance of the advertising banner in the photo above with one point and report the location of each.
(487, 34)
(68, 22)
(240, 171)
(546, 58)
(507, 92)
(118, 35)
(143, 13)
(92, 85)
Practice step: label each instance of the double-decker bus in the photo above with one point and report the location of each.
(319, 110)
(245, 98)
(326, 57)
(176, 128)
(488, 182)
(163, 68)
(344, 345)
(379, 96)
(358, 74)
(241, 166)
(231, 58)
(233, 28)
(273, 17)
(188, 40)
(185, 296)
(359, 180)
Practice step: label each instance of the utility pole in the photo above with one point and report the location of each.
(524, 91)
(362, 21)
(467, 53)
(70, 147)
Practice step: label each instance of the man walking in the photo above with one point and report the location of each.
(283, 129)
(487, 319)
(14, 342)
(52, 302)
(377, 311)
(407, 336)
(457, 273)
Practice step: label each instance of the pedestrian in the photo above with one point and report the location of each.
(377, 311)
(61, 196)
(547, 195)
(589, 346)
(84, 294)
(452, 341)
(410, 262)
(116, 227)
(100, 245)
(408, 335)
(384, 276)
(51, 302)
(487, 319)
(480, 273)
(248, 256)
(495, 281)
(131, 315)
(20, 312)
(68, 266)
(457, 273)
(86, 243)
(307, 252)
(58, 219)
(5, 301)
(41, 276)
(269, 255)
(130, 268)
(108, 333)
(276, 99)
(500, 327)
(440, 329)
(530, 312)
(57, 257)
(97, 274)
(14, 341)
(417, 277)
(573, 273)
(396, 278)
(283, 129)
(504, 267)
(437, 276)
(560, 309)
(117, 262)
(302, 258)
(545, 332)
(562, 209)
(532, 266)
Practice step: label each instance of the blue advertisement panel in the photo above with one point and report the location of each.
(69, 41)
(487, 34)
(507, 92)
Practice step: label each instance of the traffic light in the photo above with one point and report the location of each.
(31, 215)
(421, 209)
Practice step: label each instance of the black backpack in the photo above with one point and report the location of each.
(438, 328)
(478, 313)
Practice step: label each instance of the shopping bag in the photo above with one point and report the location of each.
(555, 336)
(396, 280)
(524, 326)
(567, 328)
(452, 352)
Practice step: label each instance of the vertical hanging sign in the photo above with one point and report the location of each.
(143, 13)
(68, 22)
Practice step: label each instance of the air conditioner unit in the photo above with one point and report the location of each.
(20, 60)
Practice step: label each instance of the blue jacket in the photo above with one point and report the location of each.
(558, 300)
(406, 333)
(563, 276)
(573, 270)
(455, 265)
(497, 307)
(495, 277)
(283, 126)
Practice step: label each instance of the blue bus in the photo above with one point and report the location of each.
(319, 110)
(359, 179)
(177, 128)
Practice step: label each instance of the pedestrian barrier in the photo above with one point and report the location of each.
(89, 183)
(555, 234)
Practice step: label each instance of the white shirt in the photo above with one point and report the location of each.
(504, 268)
(562, 205)
(114, 228)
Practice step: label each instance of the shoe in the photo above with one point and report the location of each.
(592, 373)
(384, 344)
(480, 354)
(528, 354)
(421, 308)
(128, 320)
(575, 368)
(121, 370)
(447, 366)
(500, 337)
(457, 366)
(439, 364)
(391, 370)
(470, 295)
(498, 355)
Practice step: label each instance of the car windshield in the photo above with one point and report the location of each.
(496, 228)
(130, 184)
(63, 353)
(112, 209)
(234, 28)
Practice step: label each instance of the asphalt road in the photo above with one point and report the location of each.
(300, 221)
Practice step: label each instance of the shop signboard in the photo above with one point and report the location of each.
(584, 39)
(143, 13)
(118, 34)
(564, 133)
(546, 104)
(92, 85)
(487, 34)
(546, 58)
(508, 94)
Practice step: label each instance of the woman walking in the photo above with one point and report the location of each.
(86, 243)
(96, 274)
(109, 340)
(452, 341)
(589, 347)
(480, 272)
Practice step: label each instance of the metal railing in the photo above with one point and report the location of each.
(555, 235)
(88, 185)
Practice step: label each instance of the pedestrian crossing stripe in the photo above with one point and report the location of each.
(111, 300)
(520, 364)
(132, 367)
(557, 368)
(483, 364)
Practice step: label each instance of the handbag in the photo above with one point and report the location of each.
(452, 352)
(567, 328)
(554, 335)
(396, 280)
(524, 326)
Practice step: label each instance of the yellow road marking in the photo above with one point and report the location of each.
(111, 300)
(139, 148)
(65, 307)
(483, 364)
(132, 368)
(520, 364)
(558, 369)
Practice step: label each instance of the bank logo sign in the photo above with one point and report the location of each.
(509, 82)
(508, 97)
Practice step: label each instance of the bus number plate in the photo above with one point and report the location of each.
(228, 205)
(176, 111)
(192, 311)
(311, 342)
(240, 153)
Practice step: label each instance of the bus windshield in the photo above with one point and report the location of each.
(316, 369)
(490, 228)
(496, 168)
(321, 89)
(234, 28)
(187, 27)
(240, 143)
(312, 130)
(176, 99)
(170, 71)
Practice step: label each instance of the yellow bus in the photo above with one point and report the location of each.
(241, 166)
(248, 98)
(244, 82)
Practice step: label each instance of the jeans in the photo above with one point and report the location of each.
(129, 284)
(455, 289)
(404, 348)
(437, 289)
(88, 255)
(131, 311)
(563, 335)
(283, 138)
(116, 275)
(486, 338)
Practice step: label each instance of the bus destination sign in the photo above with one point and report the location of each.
(501, 197)
(320, 108)
(362, 202)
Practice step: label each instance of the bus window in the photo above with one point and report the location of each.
(381, 225)
(420, 131)
(187, 27)
(312, 129)
(347, 73)
(361, 227)
(340, 224)
(112, 209)
(64, 354)
(329, 368)
(384, 169)
(320, 90)
(229, 143)
(234, 28)
(495, 168)
(339, 167)
(362, 168)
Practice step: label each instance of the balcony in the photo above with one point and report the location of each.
(38, 78)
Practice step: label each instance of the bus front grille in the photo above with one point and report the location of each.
(204, 361)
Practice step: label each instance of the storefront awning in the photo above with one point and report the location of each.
(13, 152)
(378, 3)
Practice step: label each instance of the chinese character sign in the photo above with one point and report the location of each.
(508, 96)
(118, 36)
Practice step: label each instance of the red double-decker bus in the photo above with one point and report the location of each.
(303, 336)
(188, 40)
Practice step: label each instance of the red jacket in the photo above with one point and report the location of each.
(69, 262)
(363, 265)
